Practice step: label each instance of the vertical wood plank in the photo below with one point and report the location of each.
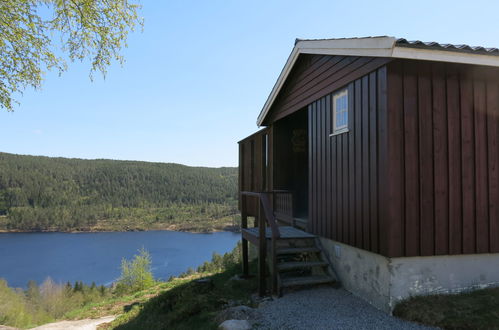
(373, 160)
(257, 170)
(493, 148)
(254, 169)
(318, 164)
(366, 230)
(250, 204)
(481, 184)
(322, 199)
(241, 173)
(334, 186)
(440, 154)
(270, 169)
(384, 224)
(411, 140)
(328, 218)
(357, 165)
(455, 191)
(311, 191)
(316, 176)
(352, 96)
(339, 188)
(345, 190)
(396, 161)
(468, 165)
(427, 233)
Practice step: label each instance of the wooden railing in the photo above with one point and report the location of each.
(283, 205)
(266, 210)
(265, 216)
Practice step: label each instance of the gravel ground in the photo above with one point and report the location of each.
(325, 308)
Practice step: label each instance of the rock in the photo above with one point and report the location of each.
(235, 325)
(204, 281)
(236, 278)
(264, 303)
(232, 303)
(256, 299)
(237, 313)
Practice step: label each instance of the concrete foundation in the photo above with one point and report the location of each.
(383, 282)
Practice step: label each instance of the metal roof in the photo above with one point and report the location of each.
(401, 42)
(431, 45)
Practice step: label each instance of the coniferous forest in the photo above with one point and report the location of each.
(59, 194)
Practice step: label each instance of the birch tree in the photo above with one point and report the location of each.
(41, 35)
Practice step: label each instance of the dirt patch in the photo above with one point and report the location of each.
(86, 324)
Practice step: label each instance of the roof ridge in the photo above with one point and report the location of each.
(344, 38)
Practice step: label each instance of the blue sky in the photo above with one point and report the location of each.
(196, 78)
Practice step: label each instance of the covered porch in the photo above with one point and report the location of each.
(276, 160)
(273, 187)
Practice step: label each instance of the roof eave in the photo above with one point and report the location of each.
(444, 56)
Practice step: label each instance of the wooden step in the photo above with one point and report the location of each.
(301, 223)
(300, 264)
(297, 239)
(294, 250)
(306, 280)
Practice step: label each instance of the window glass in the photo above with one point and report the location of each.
(340, 108)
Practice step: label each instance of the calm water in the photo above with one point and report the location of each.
(97, 257)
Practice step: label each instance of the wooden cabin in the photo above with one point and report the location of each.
(386, 152)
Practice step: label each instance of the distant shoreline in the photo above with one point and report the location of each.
(226, 229)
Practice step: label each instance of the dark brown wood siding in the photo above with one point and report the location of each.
(314, 76)
(347, 170)
(255, 171)
(417, 174)
(443, 132)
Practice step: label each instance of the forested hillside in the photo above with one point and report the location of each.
(43, 193)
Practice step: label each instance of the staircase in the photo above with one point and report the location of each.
(301, 262)
(293, 256)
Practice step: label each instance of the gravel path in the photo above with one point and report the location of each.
(325, 308)
(87, 324)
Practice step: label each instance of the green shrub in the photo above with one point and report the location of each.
(191, 304)
(13, 310)
(136, 274)
(220, 263)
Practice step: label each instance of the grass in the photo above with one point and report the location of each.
(471, 310)
(188, 304)
(180, 303)
(116, 305)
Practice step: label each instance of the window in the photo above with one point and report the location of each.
(340, 112)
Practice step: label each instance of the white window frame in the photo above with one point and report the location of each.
(343, 128)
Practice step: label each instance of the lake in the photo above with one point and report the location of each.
(96, 257)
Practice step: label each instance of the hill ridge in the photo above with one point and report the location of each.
(57, 193)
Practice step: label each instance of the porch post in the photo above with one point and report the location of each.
(262, 250)
(244, 243)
